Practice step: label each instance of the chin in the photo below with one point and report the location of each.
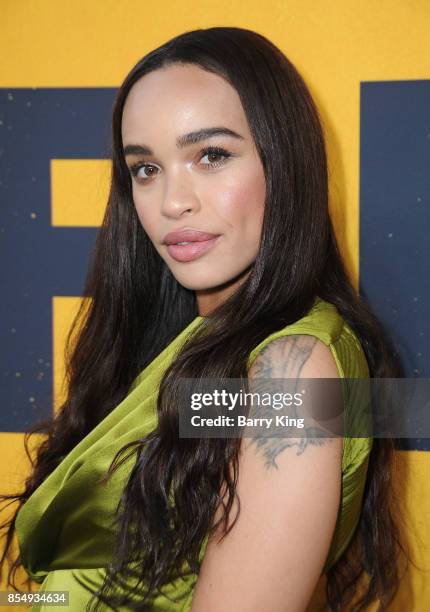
(196, 286)
(200, 282)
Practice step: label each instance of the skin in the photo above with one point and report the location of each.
(180, 188)
(289, 488)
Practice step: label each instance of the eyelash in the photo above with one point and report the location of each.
(134, 169)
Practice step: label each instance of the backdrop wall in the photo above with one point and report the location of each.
(368, 67)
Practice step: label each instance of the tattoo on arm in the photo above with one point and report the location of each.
(283, 358)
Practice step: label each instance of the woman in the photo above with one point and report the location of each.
(216, 142)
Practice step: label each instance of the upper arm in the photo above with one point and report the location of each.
(273, 557)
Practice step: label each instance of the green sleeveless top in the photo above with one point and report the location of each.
(65, 529)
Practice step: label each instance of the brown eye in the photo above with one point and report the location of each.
(143, 172)
(212, 155)
(150, 169)
(220, 155)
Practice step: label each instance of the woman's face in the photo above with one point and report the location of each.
(183, 179)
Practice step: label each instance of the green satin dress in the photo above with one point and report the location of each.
(65, 529)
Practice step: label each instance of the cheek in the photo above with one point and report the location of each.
(243, 202)
(145, 217)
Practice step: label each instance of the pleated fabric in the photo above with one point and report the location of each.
(65, 530)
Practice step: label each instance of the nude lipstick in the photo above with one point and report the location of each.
(197, 242)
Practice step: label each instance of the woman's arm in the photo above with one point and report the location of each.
(273, 557)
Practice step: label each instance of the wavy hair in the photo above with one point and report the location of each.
(130, 319)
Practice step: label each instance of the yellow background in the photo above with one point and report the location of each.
(335, 44)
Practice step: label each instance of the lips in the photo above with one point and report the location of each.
(194, 250)
(199, 243)
(187, 235)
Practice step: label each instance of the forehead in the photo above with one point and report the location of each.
(181, 97)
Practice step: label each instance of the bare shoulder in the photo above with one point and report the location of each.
(294, 356)
(289, 493)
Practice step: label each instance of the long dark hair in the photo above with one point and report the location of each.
(130, 319)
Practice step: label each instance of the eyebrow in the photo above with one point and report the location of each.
(185, 140)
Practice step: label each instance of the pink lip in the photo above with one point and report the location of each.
(188, 235)
(194, 250)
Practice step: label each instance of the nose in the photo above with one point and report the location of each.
(180, 195)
